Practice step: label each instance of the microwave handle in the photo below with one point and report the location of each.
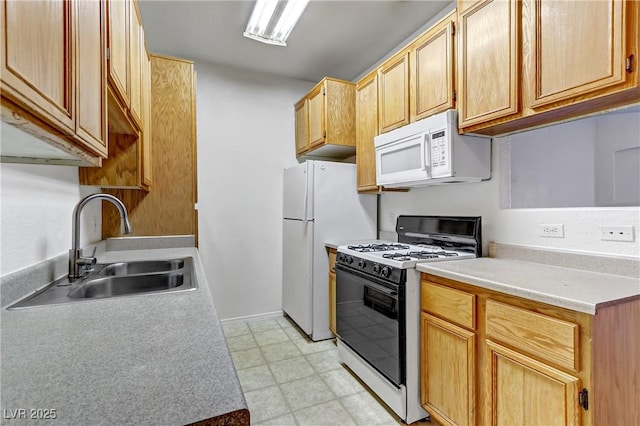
(424, 147)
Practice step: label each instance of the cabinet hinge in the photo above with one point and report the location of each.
(324, 92)
(324, 135)
(628, 64)
(108, 54)
(583, 399)
(453, 95)
(453, 28)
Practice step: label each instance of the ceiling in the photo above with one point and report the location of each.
(341, 39)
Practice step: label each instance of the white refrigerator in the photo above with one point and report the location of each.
(321, 204)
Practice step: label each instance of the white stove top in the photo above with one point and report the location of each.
(401, 255)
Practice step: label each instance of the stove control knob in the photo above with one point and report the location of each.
(362, 264)
(376, 268)
(348, 259)
(385, 272)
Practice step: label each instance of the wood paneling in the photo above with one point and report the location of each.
(549, 338)
(448, 303)
(616, 364)
(169, 208)
(120, 169)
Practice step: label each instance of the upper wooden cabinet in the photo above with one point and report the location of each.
(529, 63)
(53, 82)
(302, 126)
(576, 56)
(431, 70)
(366, 130)
(119, 45)
(488, 62)
(136, 42)
(393, 90)
(325, 120)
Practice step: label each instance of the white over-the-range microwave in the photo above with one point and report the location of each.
(430, 152)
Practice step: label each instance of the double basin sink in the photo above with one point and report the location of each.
(117, 280)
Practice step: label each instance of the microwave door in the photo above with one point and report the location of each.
(403, 160)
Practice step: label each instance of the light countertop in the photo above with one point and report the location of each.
(573, 289)
(145, 359)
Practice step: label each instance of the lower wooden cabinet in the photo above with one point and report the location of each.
(448, 363)
(528, 392)
(332, 290)
(488, 358)
(332, 302)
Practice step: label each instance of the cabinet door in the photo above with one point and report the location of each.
(366, 130)
(578, 47)
(36, 59)
(488, 61)
(91, 78)
(146, 175)
(135, 65)
(431, 72)
(317, 129)
(332, 302)
(447, 371)
(393, 80)
(523, 391)
(302, 127)
(118, 44)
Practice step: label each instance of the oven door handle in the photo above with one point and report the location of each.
(383, 290)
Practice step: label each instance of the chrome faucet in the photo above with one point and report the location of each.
(80, 265)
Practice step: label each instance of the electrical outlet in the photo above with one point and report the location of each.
(551, 230)
(616, 233)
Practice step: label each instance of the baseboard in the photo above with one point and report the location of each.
(256, 317)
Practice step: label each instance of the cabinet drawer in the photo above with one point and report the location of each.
(332, 259)
(548, 338)
(453, 305)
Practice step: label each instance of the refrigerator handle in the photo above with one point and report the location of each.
(306, 194)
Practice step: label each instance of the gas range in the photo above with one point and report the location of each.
(378, 303)
(396, 255)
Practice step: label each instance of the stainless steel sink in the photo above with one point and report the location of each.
(117, 280)
(145, 267)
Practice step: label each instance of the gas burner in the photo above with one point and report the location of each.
(366, 248)
(406, 256)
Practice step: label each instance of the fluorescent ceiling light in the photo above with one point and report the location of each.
(272, 20)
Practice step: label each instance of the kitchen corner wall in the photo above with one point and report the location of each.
(520, 226)
(36, 205)
(245, 125)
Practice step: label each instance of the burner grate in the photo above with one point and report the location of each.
(367, 248)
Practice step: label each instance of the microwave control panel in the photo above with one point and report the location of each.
(439, 152)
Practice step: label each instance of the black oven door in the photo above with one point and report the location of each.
(370, 319)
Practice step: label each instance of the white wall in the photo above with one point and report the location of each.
(245, 125)
(515, 226)
(36, 202)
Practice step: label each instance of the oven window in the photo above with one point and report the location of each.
(369, 318)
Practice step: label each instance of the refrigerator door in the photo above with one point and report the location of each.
(297, 289)
(298, 192)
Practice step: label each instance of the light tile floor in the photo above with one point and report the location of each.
(288, 379)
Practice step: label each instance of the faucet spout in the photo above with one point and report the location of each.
(79, 265)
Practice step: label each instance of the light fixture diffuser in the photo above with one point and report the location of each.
(271, 21)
